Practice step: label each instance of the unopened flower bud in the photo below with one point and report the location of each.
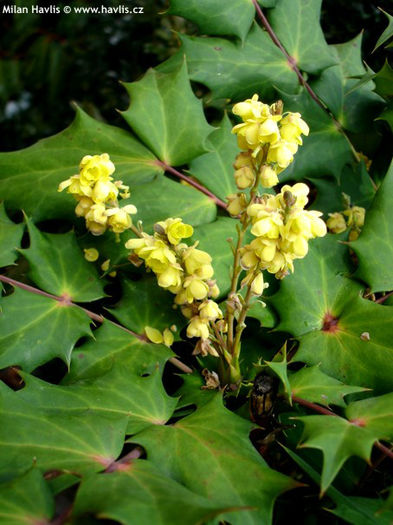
(244, 178)
(336, 223)
(237, 203)
(268, 176)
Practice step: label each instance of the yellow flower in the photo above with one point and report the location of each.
(94, 168)
(104, 191)
(258, 284)
(292, 126)
(251, 108)
(336, 223)
(282, 152)
(171, 277)
(74, 186)
(268, 131)
(248, 258)
(237, 203)
(268, 176)
(195, 289)
(198, 327)
(158, 256)
(176, 230)
(83, 206)
(299, 190)
(194, 259)
(244, 177)
(96, 219)
(268, 226)
(91, 254)
(119, 218)
(209, 310)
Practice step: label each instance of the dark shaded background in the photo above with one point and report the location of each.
(46, 61)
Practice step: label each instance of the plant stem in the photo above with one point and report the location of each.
(135, 230)
(240, 323)
(66, 301)
(302, 81)
(192, 182)
(383, 298)
(387, 451)
(235, 278)
(313, 406)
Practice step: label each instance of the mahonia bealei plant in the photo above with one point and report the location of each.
(97, 195)
(279, 222)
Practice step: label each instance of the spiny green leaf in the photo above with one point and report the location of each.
(296, 24)
(363, 511)
(358, 511)
(144, 303)
(338, 440)
(312, 384)
(80, 442)
(29, 178)
(26, 499)
(58, 266)
(236, 70)
(224, 466)
(358, 350)
(215, 169)
(279, 366)
(164, 198)
(167, 116)
(214, 17)
(374, 247)
(10, 237)
(264, 314)
(35, 329)
(114, 374)
(388, 32)
(306, 296)
(387, 115)
(384, 81)
(360, 106)
(374, 414)
(192, 393)
(349, 336)
(139, 494)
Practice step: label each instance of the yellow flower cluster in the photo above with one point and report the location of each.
(97, 195)
(353, 218)
(269, 137)
(186, 272)
(282, 229)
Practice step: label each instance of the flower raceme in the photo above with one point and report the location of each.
(97, 195)
(282, 228)
(185, 271)
(269, 140)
